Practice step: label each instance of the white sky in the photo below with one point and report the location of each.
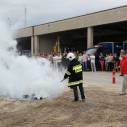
(43, 11)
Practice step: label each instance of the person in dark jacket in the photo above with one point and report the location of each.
(115, 61)
(74, 73)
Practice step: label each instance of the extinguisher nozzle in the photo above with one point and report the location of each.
(62, 80)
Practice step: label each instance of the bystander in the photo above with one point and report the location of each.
(123, 66)
(85, 58)
(93, 67)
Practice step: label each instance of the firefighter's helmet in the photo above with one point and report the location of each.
(70, 56)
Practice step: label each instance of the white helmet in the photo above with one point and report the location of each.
(70, 56)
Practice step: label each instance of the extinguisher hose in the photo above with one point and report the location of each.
(64, 79)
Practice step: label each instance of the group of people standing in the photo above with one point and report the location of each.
(60, 60)
(110, 61)
(83, 58)
(56, 60)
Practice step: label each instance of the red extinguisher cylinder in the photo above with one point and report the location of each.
(71, 87)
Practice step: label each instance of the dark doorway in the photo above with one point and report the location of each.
(23, 44)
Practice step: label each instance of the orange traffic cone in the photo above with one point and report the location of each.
(113, 77)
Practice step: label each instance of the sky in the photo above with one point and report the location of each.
(45, 11)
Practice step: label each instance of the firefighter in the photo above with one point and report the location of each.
(74, 72)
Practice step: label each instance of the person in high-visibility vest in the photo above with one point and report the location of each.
(123, 66)
(75, 75)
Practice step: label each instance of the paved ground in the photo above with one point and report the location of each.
(103, 107)
(103, 79)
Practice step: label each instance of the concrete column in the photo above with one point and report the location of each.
(36, 45)
(32, 45)
(89, 37)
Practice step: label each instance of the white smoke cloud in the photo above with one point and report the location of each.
(22, 76)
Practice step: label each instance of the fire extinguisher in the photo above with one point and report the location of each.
(113, 76)
(71, 87)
